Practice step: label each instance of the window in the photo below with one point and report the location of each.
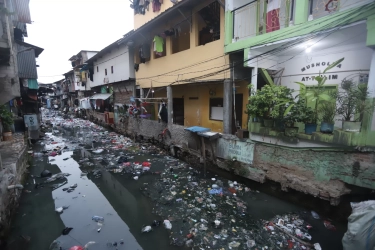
(216, 109)
(320, 8)
(181, 40)
(105, 71)
(97, 68)
(112, 69)
(209, 23)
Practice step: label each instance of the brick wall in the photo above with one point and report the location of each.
(123, 91)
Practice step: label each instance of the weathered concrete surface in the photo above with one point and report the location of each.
(324, 173)
(320, 173)
(14, 159)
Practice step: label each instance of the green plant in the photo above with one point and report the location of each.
(327, 112)
(315, 94)
(327, 109)
(6, 118)
(347, 100)
(267, 102)
(352, 101)
(363, 106)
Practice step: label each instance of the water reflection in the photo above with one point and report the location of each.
(84, 202)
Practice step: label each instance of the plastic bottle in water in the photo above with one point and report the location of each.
(97, 218)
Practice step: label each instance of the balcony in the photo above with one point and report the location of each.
(257, 17)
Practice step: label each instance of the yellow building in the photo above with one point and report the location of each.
(180, 47)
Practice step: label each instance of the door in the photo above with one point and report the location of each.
(238, 111)
(178, 111)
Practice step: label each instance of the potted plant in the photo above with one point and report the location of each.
(316, 94)
(352, 105)
(289, 120)
(7, 122)
(297, 112)
(327, 111)
(265, 103)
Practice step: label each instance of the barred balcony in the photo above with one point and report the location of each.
(258, 17)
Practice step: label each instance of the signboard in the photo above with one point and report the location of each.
(234, 149)
(31, 121)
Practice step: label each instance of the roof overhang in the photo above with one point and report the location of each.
(37, 50)
(100, 96)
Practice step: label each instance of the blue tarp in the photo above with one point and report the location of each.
(197, 129)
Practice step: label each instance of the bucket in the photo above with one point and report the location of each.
(326, 127)
(7, 136)
(310, 128)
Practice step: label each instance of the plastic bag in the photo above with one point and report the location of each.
(361, 227)
(167, 224)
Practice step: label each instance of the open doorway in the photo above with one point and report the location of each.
(178, 111)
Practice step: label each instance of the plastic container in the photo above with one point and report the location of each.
(97, 218)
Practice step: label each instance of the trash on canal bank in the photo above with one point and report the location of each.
(198, 212)
(361, 227)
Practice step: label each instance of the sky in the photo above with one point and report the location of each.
(65, 27)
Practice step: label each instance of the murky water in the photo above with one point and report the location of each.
(119, 200)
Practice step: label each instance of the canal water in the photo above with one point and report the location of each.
(115, 197)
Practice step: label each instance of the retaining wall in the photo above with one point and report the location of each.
(327, 174)
(14, 160)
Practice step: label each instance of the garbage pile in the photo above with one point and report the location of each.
(200, 213)
(210, 214)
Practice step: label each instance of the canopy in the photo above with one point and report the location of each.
(100, 96)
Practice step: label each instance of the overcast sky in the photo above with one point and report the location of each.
(65, 27)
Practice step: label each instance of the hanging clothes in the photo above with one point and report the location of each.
(273, 10)
(163, 113)
(144, 53)
(156, 5)
(158, 45)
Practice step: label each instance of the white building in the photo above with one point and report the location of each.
(111, 76)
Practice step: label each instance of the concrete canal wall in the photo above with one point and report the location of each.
(14, 161)
(325, 173)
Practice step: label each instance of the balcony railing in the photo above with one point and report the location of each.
(257, 17)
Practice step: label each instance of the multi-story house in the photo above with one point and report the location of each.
(290, 43)
(179, 52)
(111, 76)
(77, 78)
(18, 74)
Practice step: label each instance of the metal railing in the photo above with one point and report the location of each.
(254, 18)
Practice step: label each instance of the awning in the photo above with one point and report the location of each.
(100, 96)
(32, 84)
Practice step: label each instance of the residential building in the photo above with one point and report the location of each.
(288, 41)
(179, 53)
(305, 38)
(18, 74)
(76, 78)
(110, 75)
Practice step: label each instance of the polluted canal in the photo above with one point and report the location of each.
(88, 186)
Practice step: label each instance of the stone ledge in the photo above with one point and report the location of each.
(338, 137)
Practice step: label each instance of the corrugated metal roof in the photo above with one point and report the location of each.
(22, 11)
(26, 63)
(100, 96)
